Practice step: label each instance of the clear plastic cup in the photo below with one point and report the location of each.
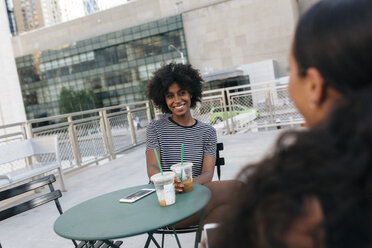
(164, 186)
(186, 174)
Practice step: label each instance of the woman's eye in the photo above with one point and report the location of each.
(182, 93)
(169, 96)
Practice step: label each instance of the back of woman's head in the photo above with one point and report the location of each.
(335, 36)
(331, 163)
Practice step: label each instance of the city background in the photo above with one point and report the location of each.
(78, 70)
(73, 55)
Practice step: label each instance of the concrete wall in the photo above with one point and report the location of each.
(111, 20)
(239, 32)
(11, 102)
(219, 33)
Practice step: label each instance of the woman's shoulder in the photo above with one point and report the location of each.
(158, 123)
(206, 126)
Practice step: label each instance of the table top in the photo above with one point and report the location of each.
(104, 217)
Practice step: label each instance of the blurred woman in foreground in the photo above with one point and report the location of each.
(315, 191)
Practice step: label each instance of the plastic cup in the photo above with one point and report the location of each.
(186, 174)
(164, 186)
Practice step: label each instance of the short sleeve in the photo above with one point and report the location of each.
(152, 141)
(211, 142)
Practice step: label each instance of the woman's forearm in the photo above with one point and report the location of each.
(205, 177)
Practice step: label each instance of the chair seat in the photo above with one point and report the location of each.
(169, 230)
(98, 244)
(26, 173)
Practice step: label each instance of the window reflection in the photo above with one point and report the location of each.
(115, 66)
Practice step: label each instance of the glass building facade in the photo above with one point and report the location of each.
(115, 67)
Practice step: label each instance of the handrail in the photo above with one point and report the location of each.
(104, 132)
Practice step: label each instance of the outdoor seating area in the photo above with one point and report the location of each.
(204, 124)
(127, 170)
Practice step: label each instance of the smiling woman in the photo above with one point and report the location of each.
(175, 89)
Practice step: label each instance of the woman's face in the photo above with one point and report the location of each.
(178, 100)
(298, 90)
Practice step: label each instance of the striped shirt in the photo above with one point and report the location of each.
(167, 136)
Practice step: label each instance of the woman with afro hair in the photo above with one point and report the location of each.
(175, 89)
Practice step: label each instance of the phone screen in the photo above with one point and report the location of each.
(137, 195)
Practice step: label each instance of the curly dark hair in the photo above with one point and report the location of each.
(332, 162)
(184, 75)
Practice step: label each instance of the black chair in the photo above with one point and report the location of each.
(53, 195)
(219, 161)
(196, 228)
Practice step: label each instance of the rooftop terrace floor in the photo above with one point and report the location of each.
(34, 228)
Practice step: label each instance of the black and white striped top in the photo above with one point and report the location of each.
(167, 136)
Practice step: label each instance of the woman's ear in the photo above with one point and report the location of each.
(316, 86)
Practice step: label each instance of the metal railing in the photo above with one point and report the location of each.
(88, 137)
(251, 107)
(85, 137)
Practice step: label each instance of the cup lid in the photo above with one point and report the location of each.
(159, 177)
(184, 164)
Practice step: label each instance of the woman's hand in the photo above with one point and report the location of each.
(178, 186)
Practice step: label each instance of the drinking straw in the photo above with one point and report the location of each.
(157, 159)
(181, 160)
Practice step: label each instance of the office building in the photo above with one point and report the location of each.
(90, 6)
(113, 53)
(51, 12)
(28, 15)
(10, 15)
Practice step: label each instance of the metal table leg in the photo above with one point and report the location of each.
(151, 237)
(200, 229)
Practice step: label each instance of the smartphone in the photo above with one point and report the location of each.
(210, 234)
(136, 195)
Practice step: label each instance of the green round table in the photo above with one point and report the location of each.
(104, 217)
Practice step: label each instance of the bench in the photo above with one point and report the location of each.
(35, 154)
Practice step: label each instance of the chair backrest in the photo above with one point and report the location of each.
(53, 195)
(45, 144)
(17, 150)
(219, 161)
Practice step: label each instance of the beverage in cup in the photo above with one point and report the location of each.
(164, 186)
(186, 169)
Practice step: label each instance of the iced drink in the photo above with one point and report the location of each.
(164, 186)
(186, 169)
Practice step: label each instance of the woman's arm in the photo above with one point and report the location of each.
(207, 170)
(151, 163)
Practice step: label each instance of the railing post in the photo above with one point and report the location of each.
(74, 141)
(106, 134)
(148, 112)
(225, 111)
(29, 131)
(131, 127)
(231, 111)
(24, 132)
(269, 103)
